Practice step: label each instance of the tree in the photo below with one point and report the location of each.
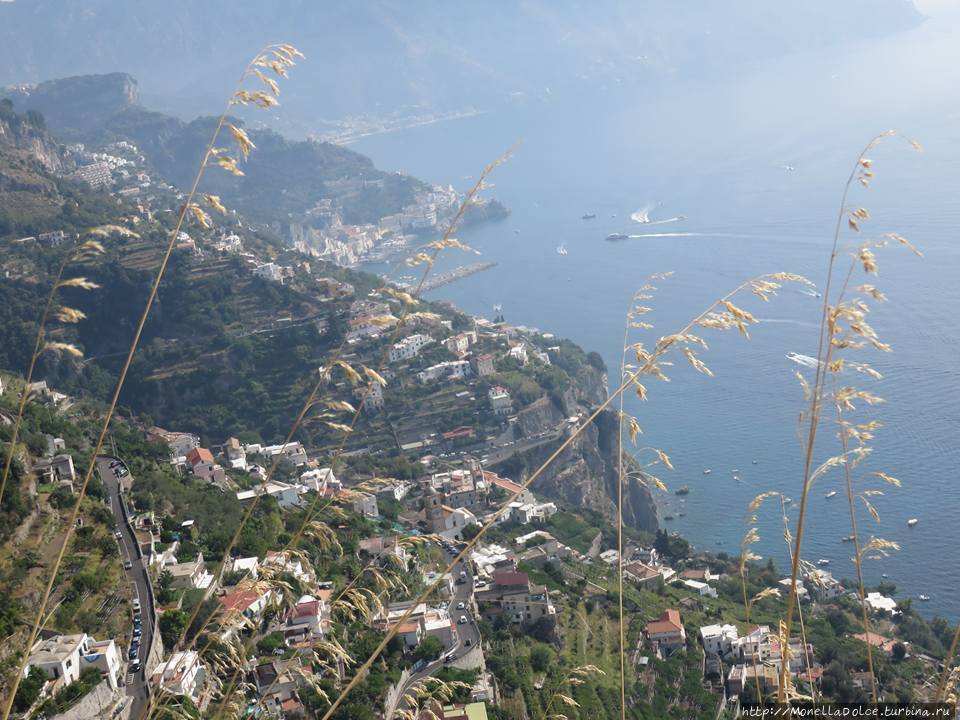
(29, 689)
(899, 651)
(429, 649)
(172, 624)
(541, 656)
(469, 531)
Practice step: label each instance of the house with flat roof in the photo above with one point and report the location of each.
(64, 657)
(181, 674)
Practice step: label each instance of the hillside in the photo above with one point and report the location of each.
(284, 179)
(226, 352)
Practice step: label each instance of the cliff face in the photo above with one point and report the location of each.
(585, 474)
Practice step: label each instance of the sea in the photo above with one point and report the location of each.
(755, 163)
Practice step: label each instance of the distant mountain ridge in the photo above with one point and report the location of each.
(377, 56)
(283, 179)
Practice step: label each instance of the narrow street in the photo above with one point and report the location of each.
(136, 683)
(468, 634)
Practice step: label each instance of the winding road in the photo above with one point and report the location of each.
(469, 631)
(136, 683)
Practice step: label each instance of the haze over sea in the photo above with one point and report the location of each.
(709, 153)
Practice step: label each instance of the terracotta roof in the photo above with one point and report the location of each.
(198, 455)
(511, 578)
(509, 485)
(669, 621)
(408, 627)
(240, 600)
(880, 641)
(304, 609)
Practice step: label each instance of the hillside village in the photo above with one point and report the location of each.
(523, 579)
(346, 533)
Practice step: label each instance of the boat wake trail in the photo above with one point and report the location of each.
(804, 360)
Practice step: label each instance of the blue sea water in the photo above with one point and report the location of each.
(718, 154)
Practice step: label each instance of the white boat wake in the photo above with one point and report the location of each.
(804, 360)
(642, 215)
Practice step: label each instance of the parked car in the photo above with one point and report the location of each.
(134, 651)
(135, 665)
(467, 642)
(462, 620)
(127, 565)
(137, 633)
(118, 535)
(461, 605)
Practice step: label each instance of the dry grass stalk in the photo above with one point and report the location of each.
(842, 327)
(87, 250)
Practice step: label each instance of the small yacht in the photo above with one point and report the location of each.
(823, 561)
(735, 470)
(736, 477)
(755, 461)
(912, 521)
(561, 250)
(831, 494)
(884, 576)
(787, 501)
(848, 538)
(925, 598)
(707, 471)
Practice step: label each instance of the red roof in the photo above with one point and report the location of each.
(508, 577)
(305, 609)
(240, 600)
(198, 455)
(509, 485)
(669, 621)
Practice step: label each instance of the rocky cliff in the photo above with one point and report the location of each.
(586, 473)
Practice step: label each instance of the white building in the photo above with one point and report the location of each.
(306, 620)
(64, 657)
(701, 588)
(286, 495)
(248, 566)
(459, 344)
(182, 674)
(500, 401)
(292, 451)
(450, 370)
(881, 604)
(318, 479)
(269, 271)
(409, 347)
(718, 639)
(532, 512)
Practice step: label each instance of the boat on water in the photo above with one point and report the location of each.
(681, 514)
(736, 477)
(668, 517)
(682, 491)
(787, 501)
(617, 236)
(707, 471)
(925, 598)
(735, 470)
(561, 250)
(641, 216)
(912, 521)
(823, 561)
(588, 216)
(831, 494)
(848, 538)
(755, 462)
(884, 576)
